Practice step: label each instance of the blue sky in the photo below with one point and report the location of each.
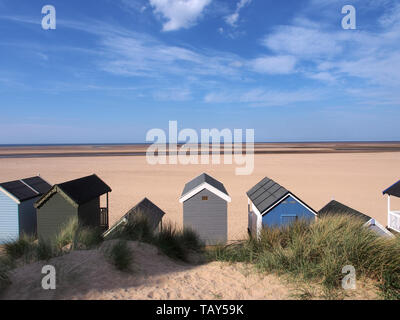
(113, 69)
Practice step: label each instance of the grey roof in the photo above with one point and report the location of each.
(146, 209)
(26, 189)
(393, 190)
(336, 208)
(149, 210)
(266, 193)
(201, 179)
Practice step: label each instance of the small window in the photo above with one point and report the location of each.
(204, 198)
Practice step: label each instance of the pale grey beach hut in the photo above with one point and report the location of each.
(205, 208)
(17, 211)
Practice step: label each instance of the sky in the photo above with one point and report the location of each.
(112, 70)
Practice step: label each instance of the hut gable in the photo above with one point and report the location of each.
(204, 181)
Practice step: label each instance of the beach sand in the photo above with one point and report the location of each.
(356, 179)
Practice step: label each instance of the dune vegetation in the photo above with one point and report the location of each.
(175, 243)
(308, 252)
(317, 252)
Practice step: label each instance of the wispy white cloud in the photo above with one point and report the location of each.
(331, 54)
(173, 94)
(261, 97)
(233, 18)
(179, 13)
(274, 64)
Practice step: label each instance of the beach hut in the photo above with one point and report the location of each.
(335, 208)
(270, 204)
(144, 209)
(17, 211)
(205, 208)
(393, 218)
(79, 199)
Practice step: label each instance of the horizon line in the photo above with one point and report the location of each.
(183, 142)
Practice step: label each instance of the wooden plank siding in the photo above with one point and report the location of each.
(27, 217)
(89, 213)
(9, 226)
(53, 215)
(208, 218)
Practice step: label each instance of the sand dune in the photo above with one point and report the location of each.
(88, 275)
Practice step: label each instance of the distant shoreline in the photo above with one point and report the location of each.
(134, 150)
(180, 143)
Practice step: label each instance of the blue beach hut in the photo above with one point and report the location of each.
(270, 204)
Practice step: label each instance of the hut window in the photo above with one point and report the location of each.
(204, 198)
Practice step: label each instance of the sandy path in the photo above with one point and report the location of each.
(88, 275)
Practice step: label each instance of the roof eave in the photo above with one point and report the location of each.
(201, 187)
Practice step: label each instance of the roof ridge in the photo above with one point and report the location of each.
(22, 180)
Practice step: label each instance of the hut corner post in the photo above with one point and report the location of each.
(388, 214)
(108, 213)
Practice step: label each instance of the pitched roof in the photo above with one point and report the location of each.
(26, 189)
(336, 208)
(204, 179)
(393, 190)
(148, 209)
(266, 193)
(80, 190)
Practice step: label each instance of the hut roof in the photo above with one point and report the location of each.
(203, 180)
(266, 193)
(393, 190)
(26, 189)
(336, 208)
(80, 190)
(147, 209)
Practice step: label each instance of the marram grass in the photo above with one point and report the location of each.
(318, 252)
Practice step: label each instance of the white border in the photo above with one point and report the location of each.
(10, 195)
(201, 187)
(285, 197)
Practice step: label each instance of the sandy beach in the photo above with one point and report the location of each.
(356, 179)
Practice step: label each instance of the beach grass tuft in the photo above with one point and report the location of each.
(174, 242)
(319, 251)
(120, 255)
